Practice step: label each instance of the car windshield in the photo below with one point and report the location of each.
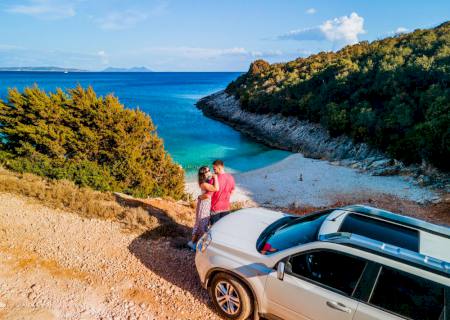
(288, 233)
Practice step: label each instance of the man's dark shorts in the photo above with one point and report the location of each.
(216, 216)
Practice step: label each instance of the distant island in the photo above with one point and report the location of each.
(66, 70)
(41, 69)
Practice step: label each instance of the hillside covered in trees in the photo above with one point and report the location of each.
(90, 140)
(393, 93)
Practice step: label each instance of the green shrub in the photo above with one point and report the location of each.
(92, 141)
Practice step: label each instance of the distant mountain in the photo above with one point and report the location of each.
(41, 69)
(133, 69)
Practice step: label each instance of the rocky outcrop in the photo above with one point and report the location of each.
(285, 132)
(312, 140)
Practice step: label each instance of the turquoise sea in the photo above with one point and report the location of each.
(169, 98)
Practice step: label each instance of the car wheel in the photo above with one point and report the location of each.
(230, 297)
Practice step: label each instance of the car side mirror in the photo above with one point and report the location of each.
(280, 270)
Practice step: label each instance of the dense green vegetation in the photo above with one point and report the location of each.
(93, 141)
(392, 93)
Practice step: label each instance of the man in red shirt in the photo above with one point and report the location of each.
(220, 200)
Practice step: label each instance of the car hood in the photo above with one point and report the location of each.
(241, 229)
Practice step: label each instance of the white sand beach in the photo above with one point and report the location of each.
(299, 181)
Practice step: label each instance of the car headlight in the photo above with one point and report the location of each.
(204, 242)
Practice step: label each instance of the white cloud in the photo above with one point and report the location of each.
(181, 58)
(47, 9)
(303, 34)
(103, 57)
(202, 53)
(15, 56)
(9, 47)
(401, 30)
(341, 31)
(311, 11)
(266, 54)
(210, 53)
(346, 28)
(190, 58)
(398, 31)
(121, 20)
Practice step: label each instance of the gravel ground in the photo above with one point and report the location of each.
(56, 265)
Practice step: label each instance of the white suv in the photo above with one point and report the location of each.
(352, 263)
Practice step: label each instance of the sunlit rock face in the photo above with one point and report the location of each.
(289, 133)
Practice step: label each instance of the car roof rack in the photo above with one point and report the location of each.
(403, 255)
(400, 219)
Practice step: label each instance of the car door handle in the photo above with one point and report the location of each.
(338, 306)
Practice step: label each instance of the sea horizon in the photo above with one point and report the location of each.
(101, 71)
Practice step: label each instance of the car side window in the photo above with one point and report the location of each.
(408, 295)
(332, 269)
(382, 231)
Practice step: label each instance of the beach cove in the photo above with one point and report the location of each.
(322, 170)
(265, 176)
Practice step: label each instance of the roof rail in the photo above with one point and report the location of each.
(398, 218)
(389, 250)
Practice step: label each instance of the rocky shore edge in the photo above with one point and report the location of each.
(314, 141)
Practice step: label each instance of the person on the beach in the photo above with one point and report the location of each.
(220, 200)
(208, 184)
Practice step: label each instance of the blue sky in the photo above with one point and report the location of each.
(196, 35)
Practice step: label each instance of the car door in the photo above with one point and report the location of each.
(317, 285)
(401, 295)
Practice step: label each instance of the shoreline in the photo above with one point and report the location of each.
(285, 133)
(298, 181)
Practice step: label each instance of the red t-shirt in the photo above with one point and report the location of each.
(220, 200)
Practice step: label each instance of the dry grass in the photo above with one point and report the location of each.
(166, 217)
(61, 194)
(237, 205)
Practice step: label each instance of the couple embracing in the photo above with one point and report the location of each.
(214, 201)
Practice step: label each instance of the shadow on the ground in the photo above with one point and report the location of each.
(163, 250)
(167, 227)
(174, 265)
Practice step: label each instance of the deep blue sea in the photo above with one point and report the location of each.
(169, 98)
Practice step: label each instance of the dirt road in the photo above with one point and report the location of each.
(59, 265)
(56, 265)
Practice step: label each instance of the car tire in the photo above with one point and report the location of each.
(230, 297)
